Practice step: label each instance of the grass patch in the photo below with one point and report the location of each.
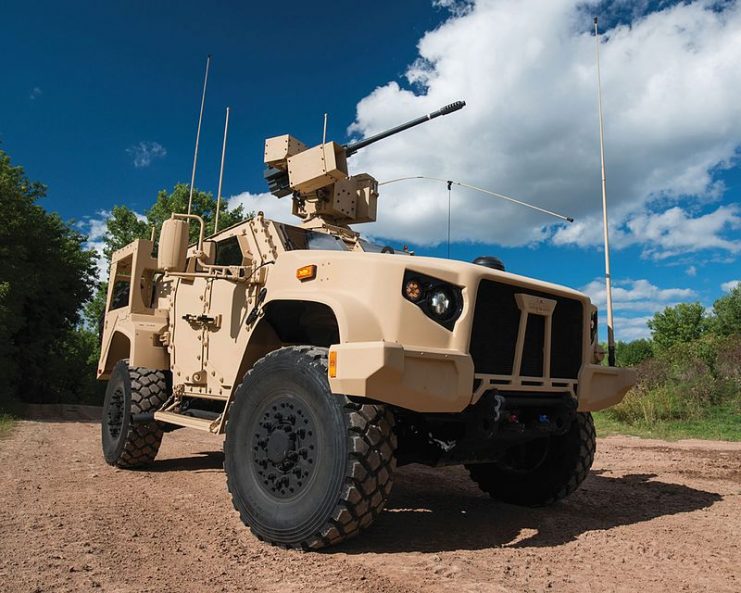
(692, 390)
(10, 412)
(6, 424)
(722, 423)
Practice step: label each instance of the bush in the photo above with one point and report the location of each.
(46, 274)
(727, 313)
(681, 324)
(684, 382)
(630, 354)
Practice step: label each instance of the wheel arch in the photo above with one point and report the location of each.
(287, 322)
(350, 317)
(303, 322)
(118, 348)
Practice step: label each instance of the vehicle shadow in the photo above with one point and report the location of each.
(441, 509)
(201, 461)
(430, 512)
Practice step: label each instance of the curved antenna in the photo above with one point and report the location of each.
(483, 191)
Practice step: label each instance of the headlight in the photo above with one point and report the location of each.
(441, 301)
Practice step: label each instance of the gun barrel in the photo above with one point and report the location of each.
(351, 149)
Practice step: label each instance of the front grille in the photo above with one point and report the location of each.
(497, 320)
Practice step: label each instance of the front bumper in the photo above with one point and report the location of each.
(442, 380)
(601, 387)
(419, 380)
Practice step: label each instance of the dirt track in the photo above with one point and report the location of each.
(652, 516)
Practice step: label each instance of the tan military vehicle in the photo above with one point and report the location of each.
(327, 360)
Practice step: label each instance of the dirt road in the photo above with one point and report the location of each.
(652, 516)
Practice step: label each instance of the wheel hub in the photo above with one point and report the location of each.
(280, 444)
(284, 448)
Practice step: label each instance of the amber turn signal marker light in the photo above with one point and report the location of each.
(333, 364)
(413, 290)
(306, 272)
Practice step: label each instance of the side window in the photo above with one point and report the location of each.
(121, 284)
(228, 252)
(120, 294)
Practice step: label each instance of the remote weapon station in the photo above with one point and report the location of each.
(327, 360)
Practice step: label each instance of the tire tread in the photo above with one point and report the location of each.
(499, 486)
(148, 393)
(369, 470)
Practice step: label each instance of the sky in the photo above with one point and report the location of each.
(100, 102)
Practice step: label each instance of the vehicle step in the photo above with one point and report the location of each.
(187, 421)
(213, 396)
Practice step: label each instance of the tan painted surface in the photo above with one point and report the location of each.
(202, 318)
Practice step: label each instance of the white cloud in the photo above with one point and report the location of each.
(35, 93)
(730, 285)
(144, 153)
(637, 295)
(665, 234)
(691, 271)
(272, 207)
(635, 302)
(456, 7)
(672, 118)
(628, 329)
(673, 231)
(96, 229)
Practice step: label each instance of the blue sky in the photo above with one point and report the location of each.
(100, 102)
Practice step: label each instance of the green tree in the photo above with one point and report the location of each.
(204, 205)
(680, 324)
(45, 276)
(630, 354)
(727, 313)
(124, 226)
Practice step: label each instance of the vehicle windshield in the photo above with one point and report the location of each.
(297, 238)
(371, 247)
(315, 240)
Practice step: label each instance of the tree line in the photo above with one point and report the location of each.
(689, 373)
(51, 298)
(683, 325)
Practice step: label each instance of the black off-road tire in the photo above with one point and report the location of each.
(132, 390)
(541, 472)
(306, 468)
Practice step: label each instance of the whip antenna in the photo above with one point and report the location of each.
(608, 279)
(221, 172)
(483, 191)
(450, 183)
(198, 134)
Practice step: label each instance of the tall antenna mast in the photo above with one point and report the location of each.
(198, 134)
(608, 279)
(221, 172)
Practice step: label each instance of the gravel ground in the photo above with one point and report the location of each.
(652, 516)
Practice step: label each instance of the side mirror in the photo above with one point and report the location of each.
(173, 245)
